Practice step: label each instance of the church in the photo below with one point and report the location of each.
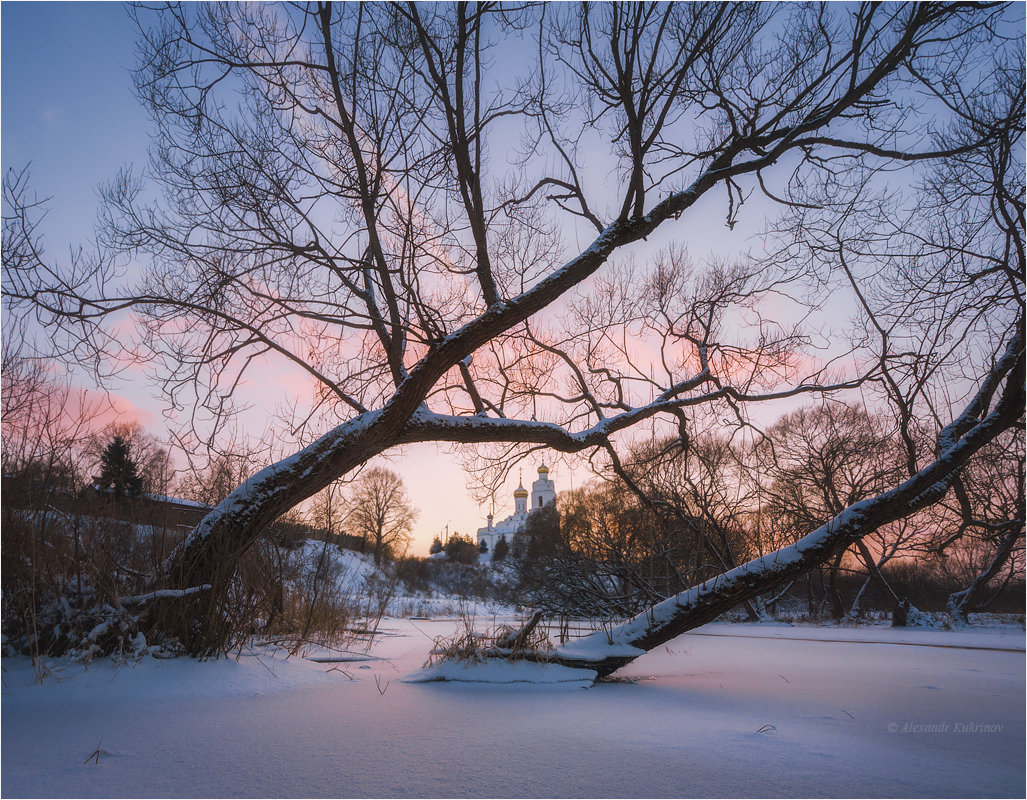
(543, 492)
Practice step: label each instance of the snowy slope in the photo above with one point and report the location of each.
(838, 718)
(357, 573)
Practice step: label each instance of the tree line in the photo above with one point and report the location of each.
(682, 513)
(58, 442)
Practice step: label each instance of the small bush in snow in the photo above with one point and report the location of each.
(469, 645)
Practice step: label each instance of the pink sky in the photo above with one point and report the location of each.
(435, 480)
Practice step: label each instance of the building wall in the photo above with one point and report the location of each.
(543, 492)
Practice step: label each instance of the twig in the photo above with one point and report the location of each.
(254, 654)
(340, 669)
(95, 755)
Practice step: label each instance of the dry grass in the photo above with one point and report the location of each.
(64, 578)
(78, 586)
(469, 645)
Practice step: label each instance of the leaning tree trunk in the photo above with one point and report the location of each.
(606, 652)
(210, 555)
(960, 604)
(900, 606)
(208, 558)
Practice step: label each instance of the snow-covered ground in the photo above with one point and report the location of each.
(727, 710)
(355, 574)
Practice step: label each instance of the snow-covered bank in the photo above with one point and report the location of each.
(838, 718)
(525, 673)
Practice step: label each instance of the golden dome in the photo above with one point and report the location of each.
(520, 491)
(543, 470)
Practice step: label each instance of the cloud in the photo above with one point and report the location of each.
(98, 410)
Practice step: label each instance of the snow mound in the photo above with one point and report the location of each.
(596, 647)
(502, 671)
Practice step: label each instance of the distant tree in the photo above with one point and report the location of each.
(381, 512)
(562, 573)
(462, 549)
(540, 536)
(151, 458)
(605, 524)
(483, 546)
(824, 459)
(118, 472)
(699, 489)
(328, 510)
(987, 536)
(436, 546)
(501, 549)
(45, 428)
(209, 480)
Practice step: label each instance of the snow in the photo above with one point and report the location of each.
(352, 569)
(727, 710)
(251, 674)
(1004, 637)
(500, 671)
(356, 575)
(597, 647)
(163, 498)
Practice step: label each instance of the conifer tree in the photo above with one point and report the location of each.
(118, 472)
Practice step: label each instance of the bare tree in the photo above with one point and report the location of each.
(151, 458)
(708, 495)
(577, 562)
(986, 524)
(380, 512)
(820, 460)
(47, 429)
(328, 511)
(331, 191)
(212, 481)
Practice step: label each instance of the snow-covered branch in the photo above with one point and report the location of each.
(705, 602)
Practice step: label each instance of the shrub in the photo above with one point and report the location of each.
(81, 586)
(72, 584)
(445, 577)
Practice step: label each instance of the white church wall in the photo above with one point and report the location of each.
(543, 492)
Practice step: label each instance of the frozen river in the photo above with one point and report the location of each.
(729, 710)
